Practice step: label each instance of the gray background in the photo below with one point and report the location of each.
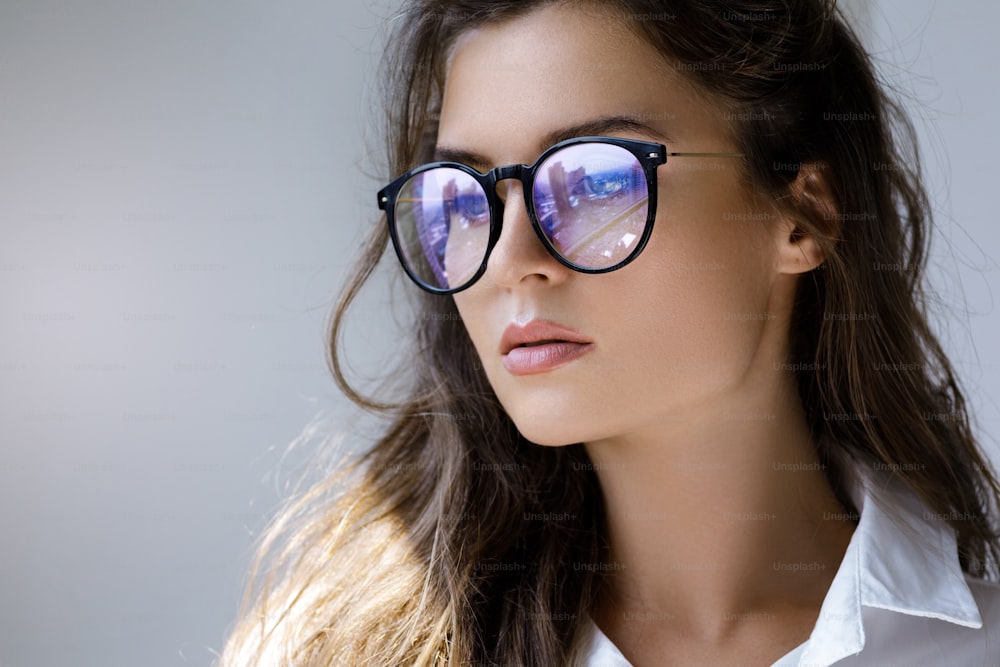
(182, 186)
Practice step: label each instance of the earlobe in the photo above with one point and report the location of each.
(815, 214)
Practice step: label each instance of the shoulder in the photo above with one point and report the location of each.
(896, 638)
(987, 596)
(975, 645)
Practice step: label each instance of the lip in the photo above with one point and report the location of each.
(561, 346)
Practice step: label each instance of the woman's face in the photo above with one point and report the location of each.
(681, 329)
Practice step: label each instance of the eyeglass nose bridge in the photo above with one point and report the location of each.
(498, 174)
(515, 171)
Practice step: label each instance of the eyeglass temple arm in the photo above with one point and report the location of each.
(672, 154)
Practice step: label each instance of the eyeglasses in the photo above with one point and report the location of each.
(591, 201)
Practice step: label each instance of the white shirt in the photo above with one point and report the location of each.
(898, 598)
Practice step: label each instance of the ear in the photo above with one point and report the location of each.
(812, 201)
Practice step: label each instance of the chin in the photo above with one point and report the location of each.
(549, 422)
(550, 435)
(553, 443)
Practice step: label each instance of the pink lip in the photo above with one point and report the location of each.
(561, 345)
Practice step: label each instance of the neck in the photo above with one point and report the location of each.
(717, 517)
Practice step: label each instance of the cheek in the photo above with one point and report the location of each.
(689, 334)
(711, 251)
(475, 317)
(691, 311)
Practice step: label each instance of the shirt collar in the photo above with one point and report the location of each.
(901, 558)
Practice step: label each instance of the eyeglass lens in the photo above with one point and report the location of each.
(591, 201)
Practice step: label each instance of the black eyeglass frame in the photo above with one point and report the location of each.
(650, 155)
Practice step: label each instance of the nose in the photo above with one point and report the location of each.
(519, 255)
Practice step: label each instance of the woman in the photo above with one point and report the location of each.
(675, 399)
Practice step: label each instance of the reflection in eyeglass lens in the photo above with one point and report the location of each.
(442, 218)
(591, 200)
(467, 213)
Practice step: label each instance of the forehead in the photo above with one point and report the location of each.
(510, 84)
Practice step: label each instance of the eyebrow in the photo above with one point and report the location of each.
(594, 127)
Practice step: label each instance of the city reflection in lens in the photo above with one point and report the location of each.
(468, 215)
(591, 201)
(442, 219)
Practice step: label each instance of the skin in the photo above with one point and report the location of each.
(697, 436)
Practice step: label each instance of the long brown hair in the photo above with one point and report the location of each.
(432, 552)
